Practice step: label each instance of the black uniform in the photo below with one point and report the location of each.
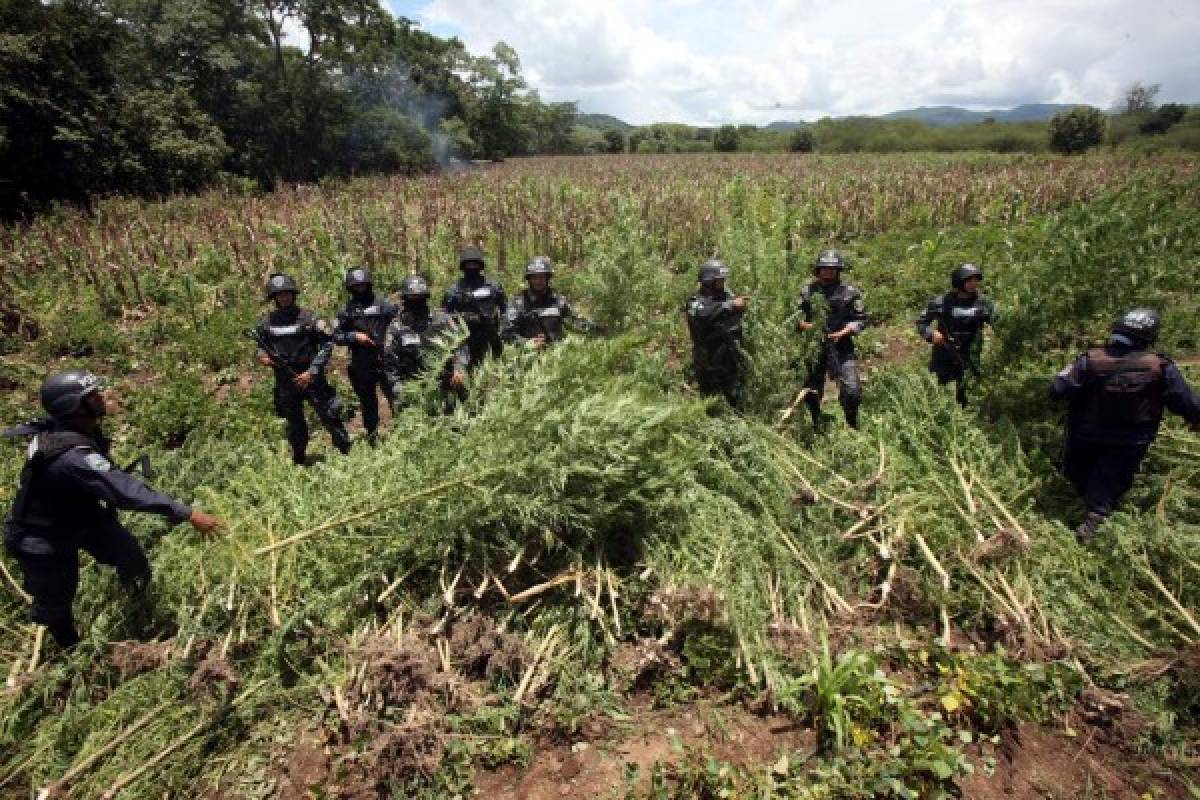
(961, 320)
(1117, 396)
(548, 315)
(715, 326)
(481, 303)
(837, 359)
(67, 501)
(410, 336)
(298, 336)
(371, 316)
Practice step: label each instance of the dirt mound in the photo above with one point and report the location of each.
(482, 650)
(132, 658)
(212, 675)
(637, 665)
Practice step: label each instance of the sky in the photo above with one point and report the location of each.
(756, 61)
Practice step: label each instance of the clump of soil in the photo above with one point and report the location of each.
(908, 596)
(671, 606)
(400, 675)
(790, 640)
(482, 650)
(132, 658)
(1005, 543)
(306, 771)
(212, 675)
(642, 663)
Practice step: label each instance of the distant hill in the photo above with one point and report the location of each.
(785, 125)
(946, 116)
(603, 122)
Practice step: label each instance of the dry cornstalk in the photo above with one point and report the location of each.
(612, 599)
(57, 787)
(534, 591)
(393, 586)
(1008, 515)
(39, 635)
(791, 409)
(1184, 614)
(1137, 637)
(933, 562)
(966, 486)
(370, 512)
(125, 780)
(527, 678)
(12, 582)
(448, 591)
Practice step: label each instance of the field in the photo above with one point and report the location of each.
(591, 581)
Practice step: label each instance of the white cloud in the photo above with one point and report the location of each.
(755, 61)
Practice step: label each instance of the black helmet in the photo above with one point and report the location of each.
(540, 265)
(471, 253)
(963, 273)
(829, 258)
(712, 270)
(358, 276)
(414, 286)
(62, 393)
(1140, 324)
(281, 282)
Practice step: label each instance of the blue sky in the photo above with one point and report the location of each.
(762, 60)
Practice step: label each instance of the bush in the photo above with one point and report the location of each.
(1077, 130)
(802, 141)
(726, 139)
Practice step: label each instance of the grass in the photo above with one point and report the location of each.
(589, 504)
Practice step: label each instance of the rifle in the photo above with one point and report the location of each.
(961, 356)
(277, 360)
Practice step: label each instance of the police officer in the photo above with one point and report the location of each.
(480, 302)
(1117, 395)
(302, 347)
(361, 326)
(416, 330)
(538, 315)
(68, 499)
(845, 319)
(714, 318)
(953, 324)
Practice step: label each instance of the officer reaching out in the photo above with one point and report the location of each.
(67, 501)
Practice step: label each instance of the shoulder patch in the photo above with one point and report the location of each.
(97, 462)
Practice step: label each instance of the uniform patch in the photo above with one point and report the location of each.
(482, 294)
(97, 462)
(550, 312)
(410, 339)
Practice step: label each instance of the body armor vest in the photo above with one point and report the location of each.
(1123, 391)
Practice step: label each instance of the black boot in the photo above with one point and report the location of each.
(299, 458)
(852, 417)
(1087, 529)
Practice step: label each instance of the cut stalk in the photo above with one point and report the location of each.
(1184, 614)
(933, 562)
(370, 512)
(59, 786)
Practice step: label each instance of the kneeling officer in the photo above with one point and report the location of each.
(68, 499)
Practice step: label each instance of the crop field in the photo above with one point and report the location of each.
(591, 581)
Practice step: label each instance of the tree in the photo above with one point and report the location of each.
(1139, 98)
(802, 141)
(614, 142)
(1163, 118)
(1076, 130)
(725, 140)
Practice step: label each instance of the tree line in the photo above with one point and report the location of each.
(159, 96)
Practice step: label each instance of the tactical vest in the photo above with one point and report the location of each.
(295, 340)
(478, 305)
(40, 511)
(415, 335)
(370, 319)
(844, 304)
(961, 320)
(544, 316)
(1123, 391)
